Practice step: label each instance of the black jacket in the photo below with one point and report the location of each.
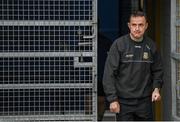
(132, 69)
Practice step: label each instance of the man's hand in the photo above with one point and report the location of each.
(115, 107)
(156, 95)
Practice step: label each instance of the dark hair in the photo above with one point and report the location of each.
(138, 14)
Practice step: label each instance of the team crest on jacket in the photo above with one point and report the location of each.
(145, 55)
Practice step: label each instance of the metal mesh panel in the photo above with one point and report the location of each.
(178, 87)
(48, 60)
(45, 101)
(45, 38)
(177, 61)
(46, 9)
(41, 70)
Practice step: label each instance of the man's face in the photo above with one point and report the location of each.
(137, 26)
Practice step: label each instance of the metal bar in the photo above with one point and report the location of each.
(45, 117)
(95, 44)
(38, 86)
(44, 23)
(46, 54)
(175, 55)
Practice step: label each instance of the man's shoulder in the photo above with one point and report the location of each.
(122, 39)
(150, 41)
(120, 42)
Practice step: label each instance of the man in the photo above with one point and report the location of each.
(133, 72)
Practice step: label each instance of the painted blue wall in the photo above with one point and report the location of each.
(108, 15)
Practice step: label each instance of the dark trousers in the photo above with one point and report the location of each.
(141, 111)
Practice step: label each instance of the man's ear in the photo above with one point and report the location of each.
(146, 25)
(128, 24)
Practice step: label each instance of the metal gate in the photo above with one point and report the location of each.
(48, 60)
(175, 62)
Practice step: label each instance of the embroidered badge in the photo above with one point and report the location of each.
(129, 55)
(145, 55)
